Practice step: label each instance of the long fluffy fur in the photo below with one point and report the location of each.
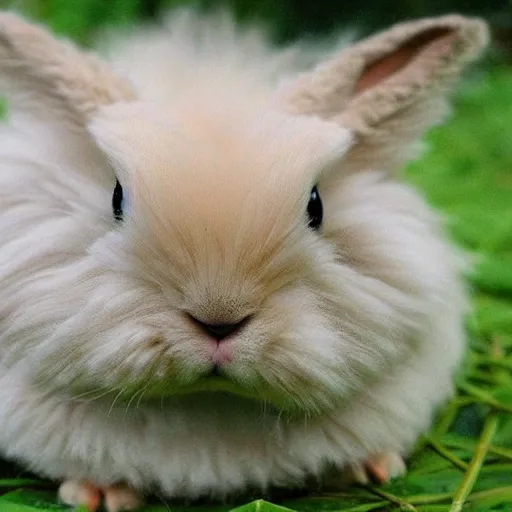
(354, 335)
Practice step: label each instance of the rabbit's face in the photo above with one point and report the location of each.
(222, 226)
(227, 271)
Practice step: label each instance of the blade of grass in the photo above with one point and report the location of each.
(505, 363)
(395, 500)
(432, 499)
(490, 427)
(484, 397)
(468, 445)
(367, 507)
(429, 499)
(447, 454)
(505, 493)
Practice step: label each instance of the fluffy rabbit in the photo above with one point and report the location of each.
(210, 278)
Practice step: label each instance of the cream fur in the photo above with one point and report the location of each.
(355, 332)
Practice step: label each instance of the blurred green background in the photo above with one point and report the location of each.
(466, 173)
(288, 18)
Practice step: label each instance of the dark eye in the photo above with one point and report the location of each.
(315, 209)
(117, 201)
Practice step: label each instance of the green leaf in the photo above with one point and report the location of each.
(338, 504)
(37, 500)
(490, 500)
(261, 506)
(16, 507)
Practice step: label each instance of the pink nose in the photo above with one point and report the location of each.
(220, 331)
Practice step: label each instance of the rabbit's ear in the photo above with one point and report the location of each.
(45, 77)
(390, 88)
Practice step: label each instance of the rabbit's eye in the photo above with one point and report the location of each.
(117, 201)
(315, 209)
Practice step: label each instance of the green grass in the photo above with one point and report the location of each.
(465, 462)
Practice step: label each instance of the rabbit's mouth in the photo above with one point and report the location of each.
(216, 382)
(215, 372)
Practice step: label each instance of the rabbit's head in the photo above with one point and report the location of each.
(253, 249)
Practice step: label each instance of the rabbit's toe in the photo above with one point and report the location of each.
(121, 498)
(76, 492)
(379, 468)
(117, 498)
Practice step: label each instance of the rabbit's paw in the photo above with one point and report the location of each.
(121, 497)
(116, 498)
(74, 492)
(379, 468)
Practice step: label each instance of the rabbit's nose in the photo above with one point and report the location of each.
(220, 331)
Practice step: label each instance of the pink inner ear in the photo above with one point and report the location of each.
(386, 66)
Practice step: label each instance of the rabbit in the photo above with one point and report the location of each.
(212, 278)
